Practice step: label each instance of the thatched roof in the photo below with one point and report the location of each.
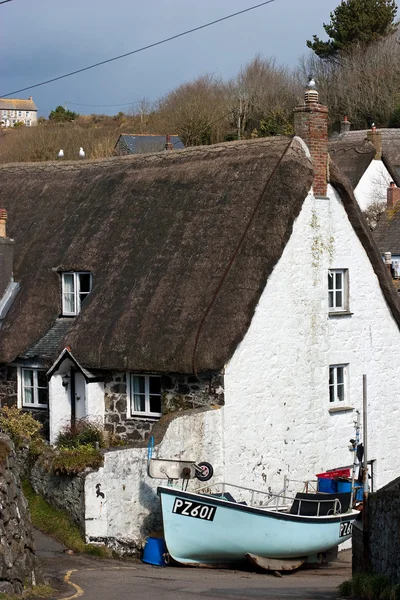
(174, 284)
(387, 232)
(352, 157)
(390, 152)
(17, 104)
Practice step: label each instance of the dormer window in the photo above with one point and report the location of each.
(76, 286)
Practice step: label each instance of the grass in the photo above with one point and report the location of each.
(369, 587)
(59, 525)
(39, 592)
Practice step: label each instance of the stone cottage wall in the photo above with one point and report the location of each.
(18, 566)
(179, 393)
(8, 386)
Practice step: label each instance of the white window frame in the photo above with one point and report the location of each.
(146, 413)
(344, 289)
(35, 403)
(76, 292)
(335, 385)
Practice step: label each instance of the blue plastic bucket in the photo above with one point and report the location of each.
(344, 486)
(328, 486)
(154, 552)
(359, 493)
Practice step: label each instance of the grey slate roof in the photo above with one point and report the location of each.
(48, 345)
(16, 104)
(142, 144)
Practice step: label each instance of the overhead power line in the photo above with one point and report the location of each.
(4, 1)
(164, 41)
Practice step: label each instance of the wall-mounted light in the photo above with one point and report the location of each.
(65, 380)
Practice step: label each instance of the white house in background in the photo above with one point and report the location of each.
(369, 174)
(13, 110)
(225, 299)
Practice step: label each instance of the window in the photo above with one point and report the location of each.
(20, 113)
(35, 391)
(338, 290)
(27, 113)
(145, 395)
(338, 383)
(75, 288)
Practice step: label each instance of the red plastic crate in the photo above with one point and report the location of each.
(333, 474)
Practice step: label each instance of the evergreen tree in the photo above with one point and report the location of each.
(354, 23)
(62, 115)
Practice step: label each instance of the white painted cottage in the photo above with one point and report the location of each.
(225, 299)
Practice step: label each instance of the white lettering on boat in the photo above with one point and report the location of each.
(194, 509)
(346, 528)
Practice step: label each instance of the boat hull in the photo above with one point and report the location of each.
(200, 529)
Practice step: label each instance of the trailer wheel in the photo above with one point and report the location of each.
(206, 471)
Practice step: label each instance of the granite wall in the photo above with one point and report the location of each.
(18, 565)
(8, 386)
(179, 393)
(63, 492)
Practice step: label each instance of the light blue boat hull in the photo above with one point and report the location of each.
(227, 531)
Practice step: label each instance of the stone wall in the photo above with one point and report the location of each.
(384, 531)
(179, 393)
(63, 492)
(8, 386)
(18, 566)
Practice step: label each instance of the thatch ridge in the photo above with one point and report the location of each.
(352, 157)
(157, 231)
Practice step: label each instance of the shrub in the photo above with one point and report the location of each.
(82, 433)
(369, 587)
(20, 426)
(71, 461)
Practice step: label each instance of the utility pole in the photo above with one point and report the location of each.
(240, 120)
(365, 480)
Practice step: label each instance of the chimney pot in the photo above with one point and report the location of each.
(393, 196)
(3, 222)
(345, 125)
(168, 144)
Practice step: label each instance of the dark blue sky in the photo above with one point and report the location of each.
(45, 38)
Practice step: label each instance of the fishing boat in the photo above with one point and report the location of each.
(212, 528)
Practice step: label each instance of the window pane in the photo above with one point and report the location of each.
(155, 404)
(42, 379)
(28, 378)
(84, 282)
(340, 392)
(43, 396)
(155, 385)
(68, 282)
(138, 384)
(331, 393)
(69, 303)
(340, 374)
(330, 299)
(330, 281)
(139, 403)
(331, 376)
(28, 395)
(339, 302)
(339, 281)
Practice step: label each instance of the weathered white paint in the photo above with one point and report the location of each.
(130, 506)
(276, 419)
(373, 185)
(95, 401)
(80, 395)
(59, 406)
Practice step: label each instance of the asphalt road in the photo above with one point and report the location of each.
(97, 579)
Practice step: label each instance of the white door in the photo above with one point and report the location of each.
(80, 396)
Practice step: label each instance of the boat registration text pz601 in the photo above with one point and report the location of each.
(346, 528)
(194, 509)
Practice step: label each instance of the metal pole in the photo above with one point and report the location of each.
(239, 120)
(365, 436)
(365, 481)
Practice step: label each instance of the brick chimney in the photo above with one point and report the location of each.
(345, 125)
(393, 195)
(311, 124)
(375, 137)
(168, 143)
(6, 254)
